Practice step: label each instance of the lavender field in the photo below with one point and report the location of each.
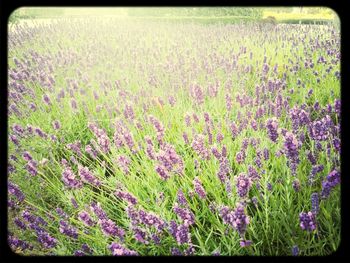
(143, 138)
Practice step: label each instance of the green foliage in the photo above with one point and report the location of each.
(196, 12)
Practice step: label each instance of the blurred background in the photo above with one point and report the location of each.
(291, 15)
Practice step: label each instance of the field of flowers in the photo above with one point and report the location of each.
(138, 138)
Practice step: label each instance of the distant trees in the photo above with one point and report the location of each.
(196, 11)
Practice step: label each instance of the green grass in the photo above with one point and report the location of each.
(117, 51)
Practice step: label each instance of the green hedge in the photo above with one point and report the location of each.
(305, 21)
(199, 20)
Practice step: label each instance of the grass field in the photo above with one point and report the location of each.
(131, 137)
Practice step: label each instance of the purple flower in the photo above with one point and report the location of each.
(181, 198)
(119, 250)
(87, 176)
(56, 125)
(150, 219)
(175, 251)
(321, 129)
(160, 169)
(74, 203)
(75, 147)
(61, 213)
(32, 167)
(197, 93)
(91, 151)
(240, 157)
(296, 185)
(299, 117)
(307, 221)
(20, 223)
(86, 219)
(311, 158)
(46, 99)
(14, 139)
(237, 219)
(69, 179)
(315, 205)
(199, 188)
(133, 215)
(234, 129)
(331, 181)
(96, 208)
(243, 184)
(46, 240)
(252, 173)
(315, 169)
(16, 243)
(266, 154)
(109, 228)
(199, 147)
(158, 126)
(295, 250)
(183, 235)
(127, 197)
(14, 190)
(292, 145)
(140, 235)
(245, 243)
(337, 106)
(185, 214)
(68, 230)
(272, 127)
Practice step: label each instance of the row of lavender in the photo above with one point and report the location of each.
(131, 139)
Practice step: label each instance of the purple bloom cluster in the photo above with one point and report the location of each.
(237, 219)
(199, 188)
(253, 174)
(98, 211)
(307, 221)
(180, 232)
(14, 190)
(181, 198)
(109, 228)
(199, 147)
(197, 93)
(240, 157)
(85, 218)
(295, 250)
(102, 137)
(124, 163)
(150, 219)
(158, 126)
(127, 197)
(299, 118)
(31, 167)
(75, 147)
(16, 243)
(315, 169)
(291, 146)
(169, 160)
(321, 129)
(68, 230)
(272, 129)
(46, 240)
(331, 181)
(315, 205)
(91, 151)
(87, 176)
(243, 184)
(119, 250)
(69, 178)
(185, 214)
